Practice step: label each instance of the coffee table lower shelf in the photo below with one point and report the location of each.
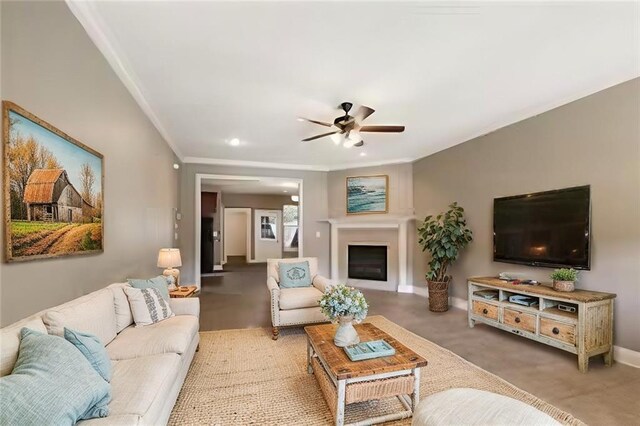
(339, 393)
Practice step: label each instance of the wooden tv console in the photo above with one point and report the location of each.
(587, 332)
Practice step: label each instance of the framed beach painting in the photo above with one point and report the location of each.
(53, 188)
(367, 194)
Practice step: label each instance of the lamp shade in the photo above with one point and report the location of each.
(169, 258)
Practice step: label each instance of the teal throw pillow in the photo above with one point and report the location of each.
(160, 283)
(294, 274)
(92, 349)
(52, 383)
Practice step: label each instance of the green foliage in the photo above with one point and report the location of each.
(89, 243)
(443, 236)
(564, 274)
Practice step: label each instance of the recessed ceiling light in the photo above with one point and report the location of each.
(363, 154)
(295, 198)
(285, 190)
(176, 166)
(234, 142)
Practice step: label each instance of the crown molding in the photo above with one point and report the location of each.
(289, 166)
(90, 21)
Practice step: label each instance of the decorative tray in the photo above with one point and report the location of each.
(369, 350)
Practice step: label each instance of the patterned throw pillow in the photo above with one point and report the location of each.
(147, 306)
(294, 274)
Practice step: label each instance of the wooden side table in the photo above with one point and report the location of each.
(184, 291)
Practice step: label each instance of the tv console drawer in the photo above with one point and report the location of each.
(558, 330)
(485, 309)
(519, 319)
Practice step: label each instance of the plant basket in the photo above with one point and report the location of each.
(438, 295)
(564, 285)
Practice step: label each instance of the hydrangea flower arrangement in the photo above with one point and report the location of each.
(342, 301)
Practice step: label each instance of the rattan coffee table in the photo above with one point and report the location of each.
(344, 382)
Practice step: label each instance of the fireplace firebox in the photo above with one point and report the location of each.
(367, 262)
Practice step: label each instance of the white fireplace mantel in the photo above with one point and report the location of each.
(375, 222)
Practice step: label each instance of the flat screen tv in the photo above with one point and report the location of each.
(543, 229)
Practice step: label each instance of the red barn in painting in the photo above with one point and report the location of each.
(50, 196)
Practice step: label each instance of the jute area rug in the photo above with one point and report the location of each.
(242, 377)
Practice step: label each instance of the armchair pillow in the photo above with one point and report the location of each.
(52, 383)
(147, 306)
(294, 274)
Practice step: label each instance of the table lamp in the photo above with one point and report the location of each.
(169, 258)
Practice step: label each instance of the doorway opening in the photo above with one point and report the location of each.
(254, 219)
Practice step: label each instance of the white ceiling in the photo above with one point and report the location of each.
(206, 72)
(257, 186)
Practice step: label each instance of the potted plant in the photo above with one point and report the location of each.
(564, 279)
(443, 236)
(344, 305)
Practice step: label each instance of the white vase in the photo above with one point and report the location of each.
(346, 334)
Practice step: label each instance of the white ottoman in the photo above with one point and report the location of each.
(464, 406)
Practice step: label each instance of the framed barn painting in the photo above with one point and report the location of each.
(53, 188)
(367, 194)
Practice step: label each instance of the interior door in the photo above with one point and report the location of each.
(267, 235)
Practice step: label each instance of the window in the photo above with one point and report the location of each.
(290, 223)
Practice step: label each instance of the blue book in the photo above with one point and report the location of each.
(369, 350)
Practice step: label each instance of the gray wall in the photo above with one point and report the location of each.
(400, 188)
(593, 141)
(51, 68)
(257, 201)
(314, 213)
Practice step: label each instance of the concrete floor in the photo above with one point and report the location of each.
(603, 396)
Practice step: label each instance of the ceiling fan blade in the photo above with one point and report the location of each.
(382, 129)
(322, 123)
(359, 144)
(362, 113)
(319, 136)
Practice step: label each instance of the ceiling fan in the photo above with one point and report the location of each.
(347, 128)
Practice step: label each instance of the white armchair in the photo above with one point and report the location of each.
(295, 306)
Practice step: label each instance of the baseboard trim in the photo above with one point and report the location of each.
(626, 356)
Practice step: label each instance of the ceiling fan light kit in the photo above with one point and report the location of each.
(348, 128)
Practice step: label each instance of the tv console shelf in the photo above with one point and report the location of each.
(586, 332)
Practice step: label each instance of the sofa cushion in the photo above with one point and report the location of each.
(473, 407)
(124, 317)
(137, 384)
(10, 341)
(94, 313)
(273, 267)
(301, 297)
(92, 349)
(172, 335)
(51, 383)
(294, 275)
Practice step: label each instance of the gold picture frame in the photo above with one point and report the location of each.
(53, 188)
(367, 194)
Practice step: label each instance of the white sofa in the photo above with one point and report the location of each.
(295, 306)
(149, 363)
